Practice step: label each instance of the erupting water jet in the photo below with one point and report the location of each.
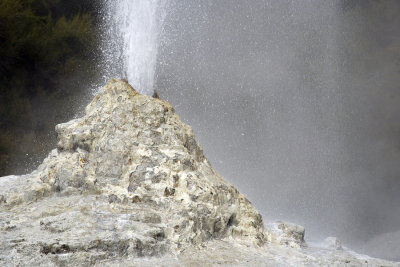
(137, 25)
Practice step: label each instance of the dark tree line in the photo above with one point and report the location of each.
(43, 44)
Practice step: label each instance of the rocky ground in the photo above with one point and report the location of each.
(129, 185)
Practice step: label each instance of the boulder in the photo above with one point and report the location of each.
(332, 243)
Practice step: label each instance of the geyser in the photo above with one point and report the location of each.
(294, 102)
(136, 25)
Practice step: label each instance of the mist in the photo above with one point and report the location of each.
(296, 104)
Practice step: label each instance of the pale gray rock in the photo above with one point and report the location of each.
(128, 185)
(332, 243)
(285, 233)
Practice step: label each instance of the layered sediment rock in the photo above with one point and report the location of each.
(127, 181)
(128, 178)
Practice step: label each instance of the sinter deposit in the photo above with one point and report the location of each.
(129, 185)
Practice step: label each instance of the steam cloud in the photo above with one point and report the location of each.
(297, 104)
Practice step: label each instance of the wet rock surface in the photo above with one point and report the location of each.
(129, 185)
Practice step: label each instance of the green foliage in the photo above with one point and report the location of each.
(42, 42)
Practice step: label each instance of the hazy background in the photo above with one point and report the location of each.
(297, 103)
(49, 56)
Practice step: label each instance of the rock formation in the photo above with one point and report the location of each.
(129, 181)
